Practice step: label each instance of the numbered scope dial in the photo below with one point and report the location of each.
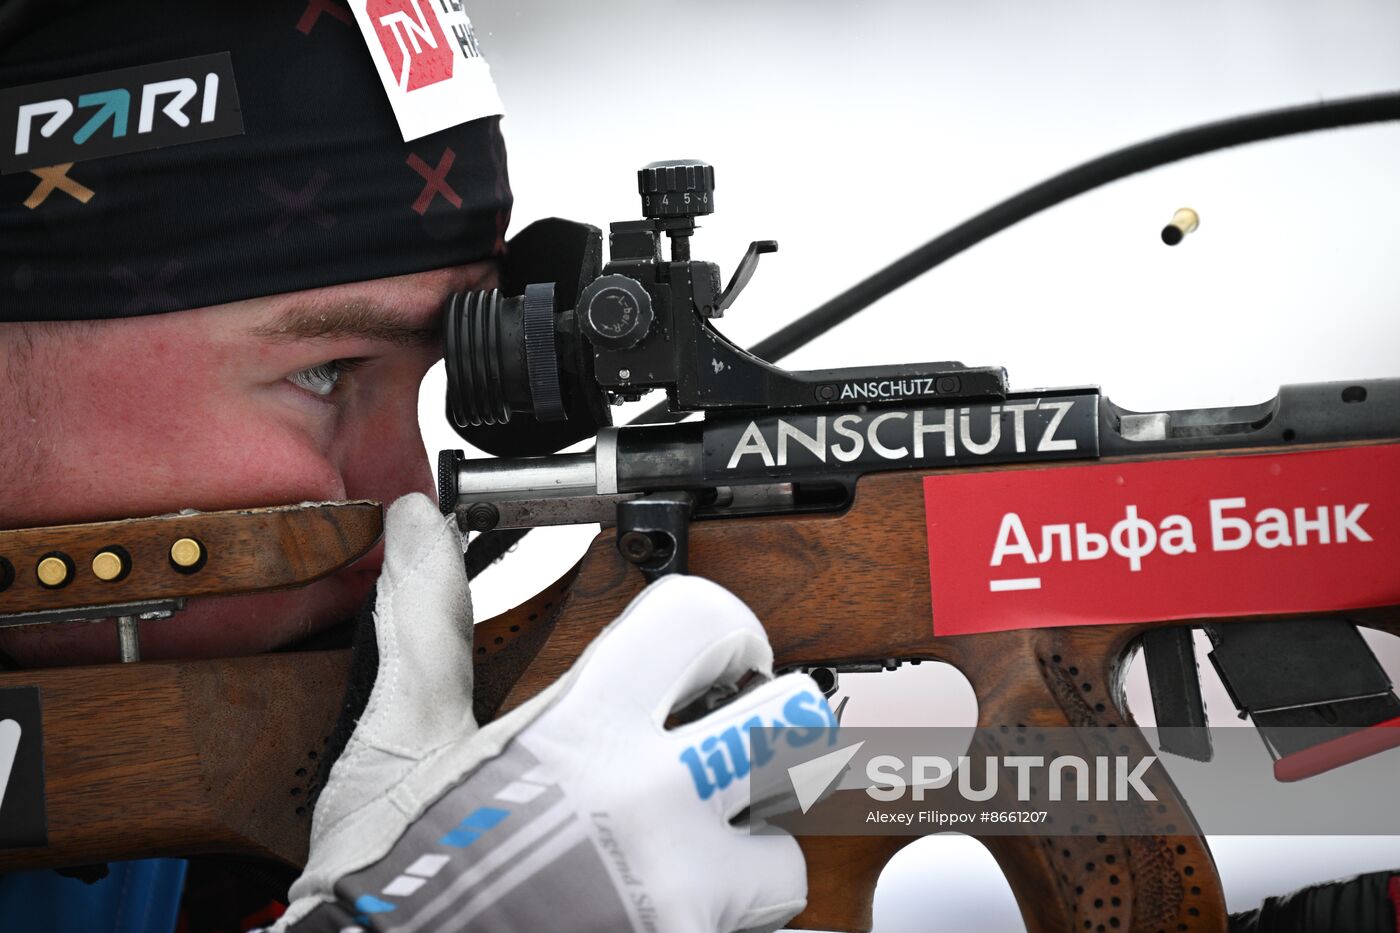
(677, 188)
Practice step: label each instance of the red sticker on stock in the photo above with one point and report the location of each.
(1118, 543)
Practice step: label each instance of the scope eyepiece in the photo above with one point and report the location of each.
(502, 357)
(477, 356)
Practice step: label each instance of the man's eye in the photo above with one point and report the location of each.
(321, 380)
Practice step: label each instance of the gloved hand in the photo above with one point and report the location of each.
(577, 811)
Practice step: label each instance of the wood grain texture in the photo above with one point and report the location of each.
(248, 550)
(172, 758)
(189, 757)
(855, 588)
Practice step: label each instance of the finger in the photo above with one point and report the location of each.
(768, 882)
(784, 721)
(681, 636)
(423, 626)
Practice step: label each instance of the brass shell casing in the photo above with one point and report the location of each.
(1186, 220)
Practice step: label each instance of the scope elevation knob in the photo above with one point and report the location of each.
(678, 188)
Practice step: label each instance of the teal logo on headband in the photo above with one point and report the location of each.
(120, 111)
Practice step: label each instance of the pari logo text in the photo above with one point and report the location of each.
(718, 760)
(1162, 540)
(115, 112)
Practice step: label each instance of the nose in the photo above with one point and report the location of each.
(389, 463)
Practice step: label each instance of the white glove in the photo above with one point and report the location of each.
(577, 811)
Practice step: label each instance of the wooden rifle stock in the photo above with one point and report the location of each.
(206, 757)
(219, 756)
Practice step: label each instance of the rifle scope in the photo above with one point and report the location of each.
(533, 367)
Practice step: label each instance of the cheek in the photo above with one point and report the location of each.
(273, 466)
(388, 409)
(179, 436)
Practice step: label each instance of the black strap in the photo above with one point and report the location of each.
(1353, 905)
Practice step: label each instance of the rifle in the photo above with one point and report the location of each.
(875, 498)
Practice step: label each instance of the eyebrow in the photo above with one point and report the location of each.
(351, 319)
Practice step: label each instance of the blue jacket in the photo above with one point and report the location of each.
(135, 897)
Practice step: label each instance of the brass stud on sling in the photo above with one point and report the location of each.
(187, 555)
(54, 570)
(109, 565)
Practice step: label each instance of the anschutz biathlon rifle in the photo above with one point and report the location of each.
(870, 517)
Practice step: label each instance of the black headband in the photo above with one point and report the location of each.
(317, 189)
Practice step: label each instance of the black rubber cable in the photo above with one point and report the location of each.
(1153, 153)
(1352, 111)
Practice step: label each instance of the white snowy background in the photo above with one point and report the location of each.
(853, 132)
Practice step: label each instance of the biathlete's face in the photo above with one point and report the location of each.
(305, 396)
